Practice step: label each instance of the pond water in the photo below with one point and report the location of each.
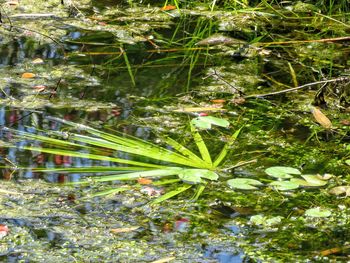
(145, 71)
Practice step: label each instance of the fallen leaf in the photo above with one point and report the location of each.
(345, 122)
(13, 3)
(168, 7)
(331, 251)
(144, 181)
(28, 75)
(38, 61)
(218, 101)
(124, 229)
(39, 88)
(339, 190)
(199, 109)
(321, 118)
(164, 260)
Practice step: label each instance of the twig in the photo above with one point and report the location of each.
(323, 40)
(298, 88)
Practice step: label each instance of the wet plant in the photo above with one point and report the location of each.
(135, 158)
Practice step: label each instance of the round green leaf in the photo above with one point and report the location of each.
(285, 185)
(244, 183)
(347, 162)
(313, 180)
(195, 176)
(282, 172)
(205, 122)
(318, 212)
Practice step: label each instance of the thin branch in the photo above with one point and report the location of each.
(298, 88)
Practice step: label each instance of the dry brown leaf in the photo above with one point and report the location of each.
(168, 7)
(28, 75)
(39, 88)
(124, 229)
(144, 180)
(321, 118)
(200, 109)
(164, 260)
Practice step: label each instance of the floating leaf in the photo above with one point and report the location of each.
(314, 180)
(318, 212)
(124, 229)
(205, 122)
(339, 190)
(321, 118)
(38, 61)
(285, 185)
(28, 75)
(244, 183)
(282, 172)
(257, 219)
(195, 176)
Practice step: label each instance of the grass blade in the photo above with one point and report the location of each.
(201, 145)
(136, 175)
(226, 147)
(171, 194)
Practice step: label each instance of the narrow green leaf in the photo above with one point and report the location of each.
(91, 156)
(226, 148)
(199, 191)
(171, 194)
(136, 175)
(201, 145)
(184, 151)
(127, 63)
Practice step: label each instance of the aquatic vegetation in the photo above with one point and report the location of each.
(190, 168)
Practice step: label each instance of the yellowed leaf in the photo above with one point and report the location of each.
(321, 118)
(201, 109)
(144, 181)
(124, 229)
(38, 61)
(28, 75)
(164, 260)
(39, 88)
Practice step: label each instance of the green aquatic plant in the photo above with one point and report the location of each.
(135, 158)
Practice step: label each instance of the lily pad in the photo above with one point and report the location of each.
(318, 212)
(282, 172)
(285, 185)
(205, 122)
(314, 180)
(244, 183)
(339, 190)
(194, 176)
